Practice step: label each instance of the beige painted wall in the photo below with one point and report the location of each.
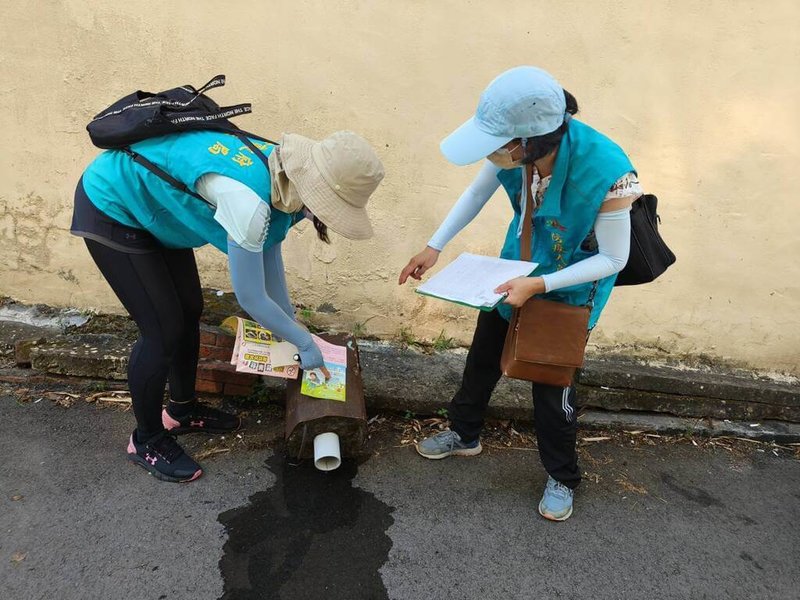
(702, 95)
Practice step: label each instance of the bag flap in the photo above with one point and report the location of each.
(552, 333)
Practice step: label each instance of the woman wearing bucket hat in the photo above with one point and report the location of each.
(140, 230)
(581, 191)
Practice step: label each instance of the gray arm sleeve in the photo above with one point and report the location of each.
(275, 279)
(468, 205)
(248, 279)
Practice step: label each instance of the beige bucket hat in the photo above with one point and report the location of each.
(334, 178)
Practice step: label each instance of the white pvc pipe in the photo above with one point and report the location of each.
(327, 455)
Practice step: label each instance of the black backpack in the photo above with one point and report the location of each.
(649, 256)
(143, 115)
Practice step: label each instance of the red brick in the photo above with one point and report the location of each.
(208, 335)
(224, 340)
(232, 389)
(214, 352)
(209, 387)
(224, 372)
(216, 336)
(215, 365)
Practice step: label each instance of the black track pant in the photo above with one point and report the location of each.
(554, 407)
(161, 291)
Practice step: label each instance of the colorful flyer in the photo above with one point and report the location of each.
(314, 383)
(257, 351)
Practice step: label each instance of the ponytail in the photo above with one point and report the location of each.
(542, 145)
(322, 230)
(572, 103)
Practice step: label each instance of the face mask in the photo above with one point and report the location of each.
(284, 195)
(502, 158)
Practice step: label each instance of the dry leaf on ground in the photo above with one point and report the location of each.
(203, 454)
(629, 487)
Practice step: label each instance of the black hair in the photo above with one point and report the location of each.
(322, 230)
(542, 145)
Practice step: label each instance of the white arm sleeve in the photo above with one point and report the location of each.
(613, 232)
(468, 205)
(243, 214)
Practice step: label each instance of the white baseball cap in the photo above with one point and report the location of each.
(523, 102)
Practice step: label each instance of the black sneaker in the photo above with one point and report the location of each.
(163, 457)
(202, 418)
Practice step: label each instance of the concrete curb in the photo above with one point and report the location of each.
(764, 431)
(407, 379)
(404, 379)
(591, 420)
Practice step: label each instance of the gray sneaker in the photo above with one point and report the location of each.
(446, 443)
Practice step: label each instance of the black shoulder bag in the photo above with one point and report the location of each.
(649, 256)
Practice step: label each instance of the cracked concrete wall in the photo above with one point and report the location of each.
(698, 94)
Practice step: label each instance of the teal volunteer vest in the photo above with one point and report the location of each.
(587, 165)
(132, 195)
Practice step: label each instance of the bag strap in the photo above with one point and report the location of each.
(251, 135)
(151, 100)
(592, 293)
(527, 224)
(179, 185)
(225, 112)
(232, 129)
(527, 230)
(243, 138)
(214, 82)
(159, 172)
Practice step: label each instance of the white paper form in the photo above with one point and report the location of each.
(471, 279)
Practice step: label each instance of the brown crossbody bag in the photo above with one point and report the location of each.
(546, 340)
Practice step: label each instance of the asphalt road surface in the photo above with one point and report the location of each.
(666, 520)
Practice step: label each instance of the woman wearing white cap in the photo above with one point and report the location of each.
(140, 230)
(581, 191)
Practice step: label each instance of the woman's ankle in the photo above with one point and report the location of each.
(181, 408)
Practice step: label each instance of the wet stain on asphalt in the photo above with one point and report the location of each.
(702, 497)
(690, 492)
(311, 535)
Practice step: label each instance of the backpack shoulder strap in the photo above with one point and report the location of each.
(236, 131)
(179, 185)
(158, 171)
(243, 137)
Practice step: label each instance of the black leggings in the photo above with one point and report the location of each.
(161, 291)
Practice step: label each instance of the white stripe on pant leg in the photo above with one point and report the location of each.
(569, 406)
(565, 404)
